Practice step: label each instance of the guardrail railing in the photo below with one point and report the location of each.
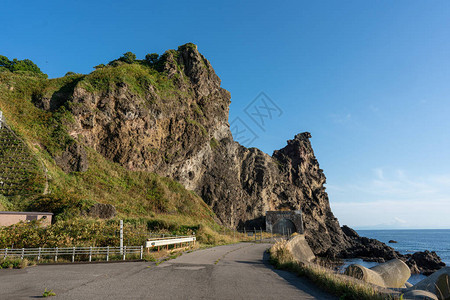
(72, 252)
(166, 241)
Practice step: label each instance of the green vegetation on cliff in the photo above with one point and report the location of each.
(20, 66)
(146, 201)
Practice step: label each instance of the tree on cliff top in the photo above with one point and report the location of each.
(151, 58)
(128, 57)
(16, 65)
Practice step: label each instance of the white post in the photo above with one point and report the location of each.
(1, 119)
(142, 251)
(124, 252)
(6, 253)
(121, 236)
(90, 253)
(39, 254)
(107, 253)
(56, 254)
(23, 252)
(73, 254)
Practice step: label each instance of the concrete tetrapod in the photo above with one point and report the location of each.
(437, 283)
(300, 249)
(419, 295)
(391, 274)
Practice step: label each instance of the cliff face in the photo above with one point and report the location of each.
(176, 124)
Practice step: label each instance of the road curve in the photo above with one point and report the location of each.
(239, 271)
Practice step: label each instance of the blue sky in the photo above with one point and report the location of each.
(369, 80)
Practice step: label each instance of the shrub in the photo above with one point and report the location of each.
(5, 62)
(99, 66)
(16, 65)
(14, 263)
(128, 57)
(151, 58)
(63, 205)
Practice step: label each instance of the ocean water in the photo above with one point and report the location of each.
(410, 241)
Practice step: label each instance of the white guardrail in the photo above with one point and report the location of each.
(39, 253)
(150, 243)
(89, 252)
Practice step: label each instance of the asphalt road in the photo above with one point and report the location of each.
(239, 271)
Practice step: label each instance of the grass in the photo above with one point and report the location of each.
(48, 293)
(198, 125)
(15, 263)
(326, 279)
(213, 143)
(138, 77)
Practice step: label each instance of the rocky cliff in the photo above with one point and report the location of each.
(172, 118)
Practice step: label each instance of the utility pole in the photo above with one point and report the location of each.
(121, 236)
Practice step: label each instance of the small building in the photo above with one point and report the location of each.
(284, 222)
(8, 218)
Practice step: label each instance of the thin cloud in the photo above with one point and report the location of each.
(390, 197)
(341, 118)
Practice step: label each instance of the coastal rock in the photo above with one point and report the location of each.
(425, 262)
(369, 250)
(392, 242)
(351, 233)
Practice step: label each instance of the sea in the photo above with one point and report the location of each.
(410, 241)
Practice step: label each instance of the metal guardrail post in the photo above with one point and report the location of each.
(121, 236)
(107, 253)
(56, 254)
(6, 253)
(260, 234)
(39, 254)
(142, 251)
(73, 254)
(90, 253)
(23, 253)
(124, 252)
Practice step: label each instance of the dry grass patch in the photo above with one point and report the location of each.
(342, 286)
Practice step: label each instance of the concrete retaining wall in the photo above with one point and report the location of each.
(300, 249)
